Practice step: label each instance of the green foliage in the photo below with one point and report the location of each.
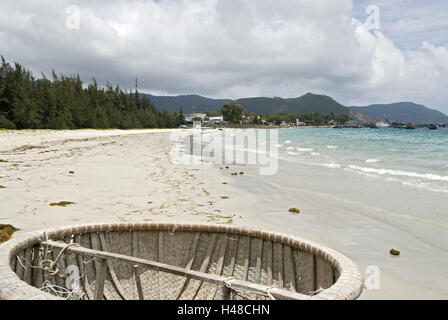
(180, 118)
(232, 112)
(307, 117)
(64, 103)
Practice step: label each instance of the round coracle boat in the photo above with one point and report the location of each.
(152, 261)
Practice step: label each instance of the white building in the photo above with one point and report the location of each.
(215, 119)
(191, 117)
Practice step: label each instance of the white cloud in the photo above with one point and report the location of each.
(226, 48)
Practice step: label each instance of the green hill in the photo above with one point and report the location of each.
(307, 103)
(403, 112)
(261, 105)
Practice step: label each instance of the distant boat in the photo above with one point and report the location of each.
(382, 124)
(432, 127)
(410, 126)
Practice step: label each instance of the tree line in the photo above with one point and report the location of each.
(308, 117)
(233, 113)
(64, 102)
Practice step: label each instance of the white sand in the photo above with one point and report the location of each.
(118, 176)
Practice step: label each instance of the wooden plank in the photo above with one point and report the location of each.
(246, 259)
(212, 278)
(38, 276)
(194, 247)
(324, 274)
(290, 278)
(304, 271)
(225, 292)
(135, 243)
(27, 277)
(161, 246)
(112, 272)
(138, 282)
(83, 278)
(259, 253)
(269, 262)
(207, 259)
(222, 254)
(100, 280)
(278, 264)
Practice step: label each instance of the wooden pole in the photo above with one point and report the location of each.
(138, 282)
(100, 279)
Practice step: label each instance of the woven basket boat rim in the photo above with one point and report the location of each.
(348, 286)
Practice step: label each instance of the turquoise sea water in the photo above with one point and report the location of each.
(417, 158)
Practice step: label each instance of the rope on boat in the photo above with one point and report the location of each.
(53, 267)
(59, 291)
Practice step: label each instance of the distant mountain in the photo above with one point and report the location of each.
(189, 103)
(403, 112)
(307, 103)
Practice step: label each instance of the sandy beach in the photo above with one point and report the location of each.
(116, 176)
(109, 176)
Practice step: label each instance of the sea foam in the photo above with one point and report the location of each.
(428, 176)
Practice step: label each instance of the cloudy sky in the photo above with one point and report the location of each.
(240, 48)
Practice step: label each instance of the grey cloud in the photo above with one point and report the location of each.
(228, 48)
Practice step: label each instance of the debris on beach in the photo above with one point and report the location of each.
(4, 161)
(294, 210)
(241, 173)
(224, 197)
(234, 174)
(71, 172)
(62, 204)
(227, 167)
(2, 187)
(394, 252)
(6, 232)
(224, 183)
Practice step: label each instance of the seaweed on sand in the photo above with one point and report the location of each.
(61, 204)
(6, 232)
(394, 252)
(294, 211)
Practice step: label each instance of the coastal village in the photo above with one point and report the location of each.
(256, 120)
